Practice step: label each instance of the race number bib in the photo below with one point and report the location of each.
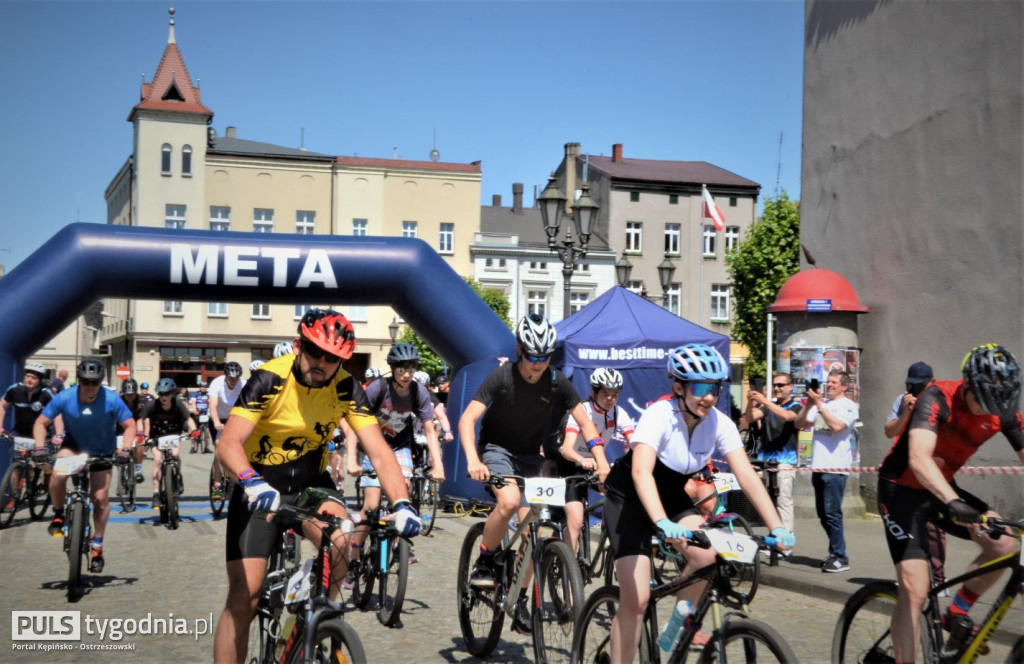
(299, 584)
(545, 491)
(167, 442)
(732, 545)
(725, 482)
(23, 444)
(203, 419)
(70, 465)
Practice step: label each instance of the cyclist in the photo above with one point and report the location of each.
(89, 413)
(397, 402)
(370, 375)
(200, 405)
(144, 394)
(516, 403)
(130, 397)
(167, 416)
(275, 443)
(27, 399)
(254, 365)
(673, 440)
(950, 422)
(611, 421)
(224, 391)
(283, 348)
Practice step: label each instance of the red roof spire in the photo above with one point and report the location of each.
(171, 88)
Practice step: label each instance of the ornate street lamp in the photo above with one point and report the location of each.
(584, 211)
(393, 330)
(666, 269)
(623, 268)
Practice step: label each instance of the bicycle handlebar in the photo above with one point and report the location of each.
(501, 480)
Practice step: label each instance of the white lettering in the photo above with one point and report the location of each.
(193, 265)
(182, 261)
(281, 256)
(234, 263)
(317, 268)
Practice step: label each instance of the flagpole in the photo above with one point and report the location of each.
(703, 216)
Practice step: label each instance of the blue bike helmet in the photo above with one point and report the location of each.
(166, 386)
(403, 352)
(696, 362)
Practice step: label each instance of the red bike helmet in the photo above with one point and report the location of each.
(330, 331)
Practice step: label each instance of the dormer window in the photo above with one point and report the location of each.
(165, 159)
(173, 94)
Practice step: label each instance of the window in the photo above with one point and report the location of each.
(634, 197)
(581, 268)
(357, 314)
(674, 291)
(301, 309)
(174, 216)
(172, 308)
(263, 220)
(186, 161)
(358, 227)
(732, 237)
(709, 241)
(672, 239)
(673, 199)
(577, 301)
(446, 243)
(409, 229)
(261, 311)
(538, 265)
(635, 286)
(634, 236)
(501, 263)
(217, 309)
(732, 201)
(305, 222)
(537, 302)
(220, 218)
(165, 159)
(719, 302)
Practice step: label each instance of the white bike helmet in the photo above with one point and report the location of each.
(283, 348)
(421, 377)
(36, 368)
(372, 373)
(256, 364)
(603, 377)
(536, 335)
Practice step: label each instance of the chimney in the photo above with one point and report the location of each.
(496, 200)
(617, 152)
(517, 197)
(229, 132)
(572, 152)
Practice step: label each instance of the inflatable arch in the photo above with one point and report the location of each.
(87, 262)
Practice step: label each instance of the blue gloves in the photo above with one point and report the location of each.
(673, 530)
(407, 519)
(261, 495)
(783, 537)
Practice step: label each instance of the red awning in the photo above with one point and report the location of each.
(818, 290)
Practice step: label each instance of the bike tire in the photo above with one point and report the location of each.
(431, 493)
(862, 631)
(12, 493)
(745, 641)
(591, 643)
(75, 521)
(393, 582)
(365, 574)
(336, 641)
(561, 601)
(217, 502)
(37, 492)
(170, 490)
(480, 615)
(126, 487)
(261, 644)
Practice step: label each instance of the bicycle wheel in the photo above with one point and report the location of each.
(170, 491)
(218, 499)
(261, 642)
(392, 583)
(746, 641)
(430, 495)
(556, 610)
(743, 579)
(126, 487)
(862, 632)
(480, 614)
(12, 493)
(591, 642)
(336, 642)
(75, 520)
(38, 494)
(365, 574)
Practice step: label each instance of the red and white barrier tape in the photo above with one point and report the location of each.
(966, 470)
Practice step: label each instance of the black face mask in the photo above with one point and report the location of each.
(916, 389)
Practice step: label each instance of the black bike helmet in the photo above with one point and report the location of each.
(90, 368)
(992, 374)
(403, 352)
(129, 386)
(232, 369)
(166, 386)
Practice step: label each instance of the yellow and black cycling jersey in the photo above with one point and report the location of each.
(294, 423)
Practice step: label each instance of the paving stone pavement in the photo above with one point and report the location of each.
(152, 571)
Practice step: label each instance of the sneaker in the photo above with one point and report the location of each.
(946, 618)
(833, 564)
(96, 560)
(522, 623)
(413, 559)
(483, 574)
(156, 501)
(56, 527)
(349, 581)
(139, 479)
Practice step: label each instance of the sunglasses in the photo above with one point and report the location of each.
(317, 353)
(701, 390)
(85, 382)
(537, 358)
(780, 385)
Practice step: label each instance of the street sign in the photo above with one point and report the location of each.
(819, 305)
(124, 373)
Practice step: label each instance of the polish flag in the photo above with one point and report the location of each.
(711, 210)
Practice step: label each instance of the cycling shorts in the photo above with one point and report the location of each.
(404, 457)
(249, 534)
(905, 513)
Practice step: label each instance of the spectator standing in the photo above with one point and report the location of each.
(832, 417)
(60, 382)
(777, 418)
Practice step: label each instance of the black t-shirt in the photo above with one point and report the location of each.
(26, 407)
(166, 422)
(519, 414)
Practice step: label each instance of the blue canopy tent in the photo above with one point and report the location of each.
(624, 331)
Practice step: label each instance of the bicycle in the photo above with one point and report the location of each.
(126, 479)
(171, 483)
(26, 482)
(219, 495)
(205, 440)
(862, 633)
(319, 633)
(735, 636)
(425, 493)
(78, 512)
(557, 583)
(385, 558)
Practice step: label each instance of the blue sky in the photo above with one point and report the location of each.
(506, 83)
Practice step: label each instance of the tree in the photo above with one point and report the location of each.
(758, 266)
(429, 360)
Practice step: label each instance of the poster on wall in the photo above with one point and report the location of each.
(782, 361)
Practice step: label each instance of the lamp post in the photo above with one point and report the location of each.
(666, 268)
(552, 202)
(393, 329)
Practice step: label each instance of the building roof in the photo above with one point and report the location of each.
(819, 290)
(526, 224)
(658, 170)
(238, 146)
(171, 88)
(409, 164)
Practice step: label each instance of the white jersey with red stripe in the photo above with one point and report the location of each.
(615, 424)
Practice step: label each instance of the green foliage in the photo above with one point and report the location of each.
(767, 256)
(430, 361)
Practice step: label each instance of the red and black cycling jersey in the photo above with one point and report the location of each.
(942, 409)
